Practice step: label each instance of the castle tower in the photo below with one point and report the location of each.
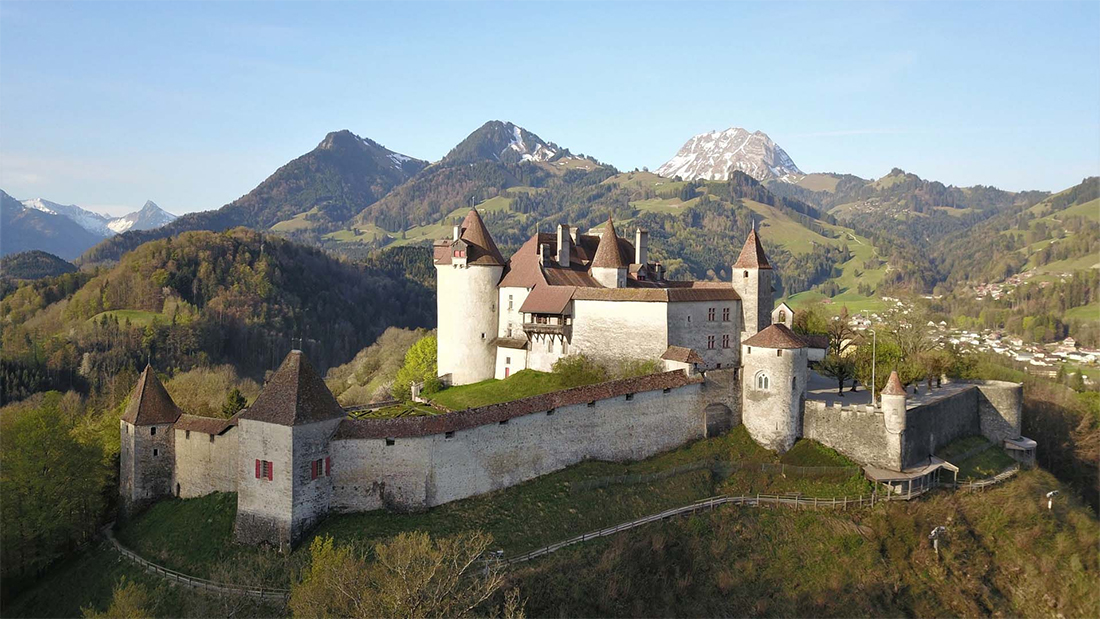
(468, 269)
(773, 386)
(147, 452)
(893, 404)
(752, 279)
(608, 266)
(284, 461)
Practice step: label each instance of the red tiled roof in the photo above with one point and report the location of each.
(608, 254)
(752, 254)
(295, 395)
(658, 294)
(548, 300)
(150, 403)
(776, 336)
(208, 425)
(525, 268)
(681, 354)
(482, 249)
(406, 427)
(893, 385)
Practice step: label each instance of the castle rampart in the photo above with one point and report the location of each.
(206, 456)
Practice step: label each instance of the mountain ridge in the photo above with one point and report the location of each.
(714, 155)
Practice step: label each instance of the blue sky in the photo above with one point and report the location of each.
(193, 104)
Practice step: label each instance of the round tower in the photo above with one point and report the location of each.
(893, 404)
(468, 269)
(773, 385)
(752, 279)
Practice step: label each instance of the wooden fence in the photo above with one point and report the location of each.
(265, 594)
(724, 469)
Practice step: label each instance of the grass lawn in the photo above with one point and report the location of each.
(818, 182)
(1084, 312)
(984, 465)
(959, 447)
(140, 318)
(522, 384)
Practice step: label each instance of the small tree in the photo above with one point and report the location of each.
(420, 366)
(129, 601)
(234, 402)
(840, 368)
(576, 370)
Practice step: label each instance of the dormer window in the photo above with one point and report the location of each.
(460, 253)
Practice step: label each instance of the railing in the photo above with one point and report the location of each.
(266, 594)
(985, 483)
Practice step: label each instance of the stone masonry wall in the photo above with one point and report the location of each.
(936, 424)
(148, 453)
(855, 431)
(419, 472)
(1000, 409)
(205, 463)
(689, 326)
(619, 329)
(264, 507)
(312, 497)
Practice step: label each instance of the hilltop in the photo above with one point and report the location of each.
(714, 156)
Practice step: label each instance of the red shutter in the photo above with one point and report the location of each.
(257, 469)
(270, 471)
(313, 469)
(328, 467)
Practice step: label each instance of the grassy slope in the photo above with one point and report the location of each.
(492, 391)
(136, 317)
(1004, 555)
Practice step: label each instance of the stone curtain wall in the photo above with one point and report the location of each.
(264, 507)
(694, 334)
(938, 423)
(1000, 409)
(423, 471)
(855, 431)
(620, 329)
(203, 465)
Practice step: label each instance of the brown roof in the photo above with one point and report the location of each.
(776, 336)
(681, 354)
(509, 342)
(208, 425)
(150, 403)
(675, 294)
(816, 341)
(752, 254)
(608, 254)
(893, 385)
(405, 427)
(525, 268)
(482, 249)
(548, 300)
(295, 395)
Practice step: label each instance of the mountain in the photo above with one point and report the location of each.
(24, 228)
(715, 155)
(149, 217)
(319, 190)
(92, 222)
(34, 264)
(495, 160)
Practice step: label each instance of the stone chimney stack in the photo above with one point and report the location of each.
(456, 232)
(641, 246)
(563, 245)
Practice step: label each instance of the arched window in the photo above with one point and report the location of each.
(746, 273)
(762, 381)
(783, 316)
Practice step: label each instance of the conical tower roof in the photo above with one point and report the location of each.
(893, 385)
(295, 395)
(150, 403)
(608, 255)
(482, 249)
(776, 336)
(752, 254)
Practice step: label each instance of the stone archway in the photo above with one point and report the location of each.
(718, 419)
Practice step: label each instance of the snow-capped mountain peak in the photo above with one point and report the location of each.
(92, 222)
(542, 152)
(716, 154)
(150, 216)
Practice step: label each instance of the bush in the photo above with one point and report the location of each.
(576, 370)
(420, 366)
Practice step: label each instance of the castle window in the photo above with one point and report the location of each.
(264, 470)
(725, 314)
(592, 404)
(710, 342)
(782, 316)
(749, 351)
(509, 301)
(450, 434)
(746, 273)
(726, 341)
(152, 431)
(689, 317)
(502, 422)
(187, 434)
(710, 314)
(794, 383)
(762, 381)
(211, 438)
(482, 335)
(391, 442)
(549, 345)
(779, 353)
(629, 397)
(507, 361)
(667, 390)
(156, 452)
(319, 468)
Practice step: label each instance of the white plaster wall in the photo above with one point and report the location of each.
(545, 350)
(620, 329)
(513, 358)
(264, 506)
(511, 318)
(420, 472)
(466, 300)
(693, 333)
(204, 466)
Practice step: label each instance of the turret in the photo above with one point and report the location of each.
(468, 268)
(893, 404)
(773, 383)
(608, 266)
(752, 279)
(147, 449)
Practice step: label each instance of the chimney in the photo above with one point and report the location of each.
(544, 254)
(659, 271)
(456, 233)
(641, 246)
(563, 245)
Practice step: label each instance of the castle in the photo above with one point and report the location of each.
(729, 358)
